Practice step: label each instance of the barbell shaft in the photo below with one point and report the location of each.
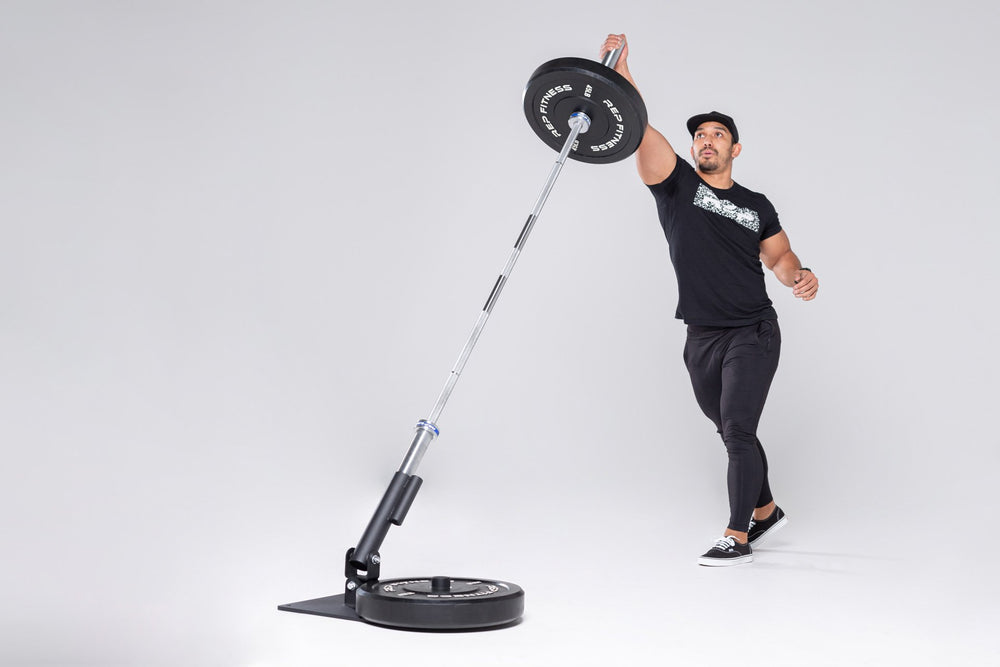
(427, 429)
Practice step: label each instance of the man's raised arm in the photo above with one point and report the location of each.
(655, 157)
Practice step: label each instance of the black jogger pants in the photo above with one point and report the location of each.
(731, 371)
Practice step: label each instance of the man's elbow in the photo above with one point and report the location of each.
(769, 261)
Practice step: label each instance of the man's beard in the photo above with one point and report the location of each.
(709, 165)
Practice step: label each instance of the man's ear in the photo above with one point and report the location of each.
(737, 148)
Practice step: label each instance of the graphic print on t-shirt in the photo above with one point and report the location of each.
(708, 200)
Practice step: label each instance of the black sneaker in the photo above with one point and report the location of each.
(727, 551)
(759, 529)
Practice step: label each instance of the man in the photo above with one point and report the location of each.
(719, 233)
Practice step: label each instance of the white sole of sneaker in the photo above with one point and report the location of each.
(725, 562)
(780, 523)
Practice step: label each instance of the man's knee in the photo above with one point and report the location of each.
(739, 436)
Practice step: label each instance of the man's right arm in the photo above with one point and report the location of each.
(655, 157)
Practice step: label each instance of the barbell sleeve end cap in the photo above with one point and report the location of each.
(580, 119)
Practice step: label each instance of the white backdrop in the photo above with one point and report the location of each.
(243, 242)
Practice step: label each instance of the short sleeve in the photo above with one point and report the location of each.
(667, 188)
(769, 224)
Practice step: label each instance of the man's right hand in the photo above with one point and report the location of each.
(617, 42)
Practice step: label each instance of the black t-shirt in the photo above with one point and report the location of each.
(714, 238)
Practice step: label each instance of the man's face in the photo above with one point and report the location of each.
(713, 148)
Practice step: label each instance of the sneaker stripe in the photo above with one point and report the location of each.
(723, 562)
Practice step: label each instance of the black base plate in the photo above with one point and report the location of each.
(332, 607)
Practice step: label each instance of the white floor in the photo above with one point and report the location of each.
(805, 600)
(859, 598)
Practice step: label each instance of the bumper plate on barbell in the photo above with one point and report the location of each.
(440, 603)
(564, 86)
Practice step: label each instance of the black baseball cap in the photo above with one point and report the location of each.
(727, 121)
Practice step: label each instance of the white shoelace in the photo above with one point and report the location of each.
(725, 543)
(752, 524)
